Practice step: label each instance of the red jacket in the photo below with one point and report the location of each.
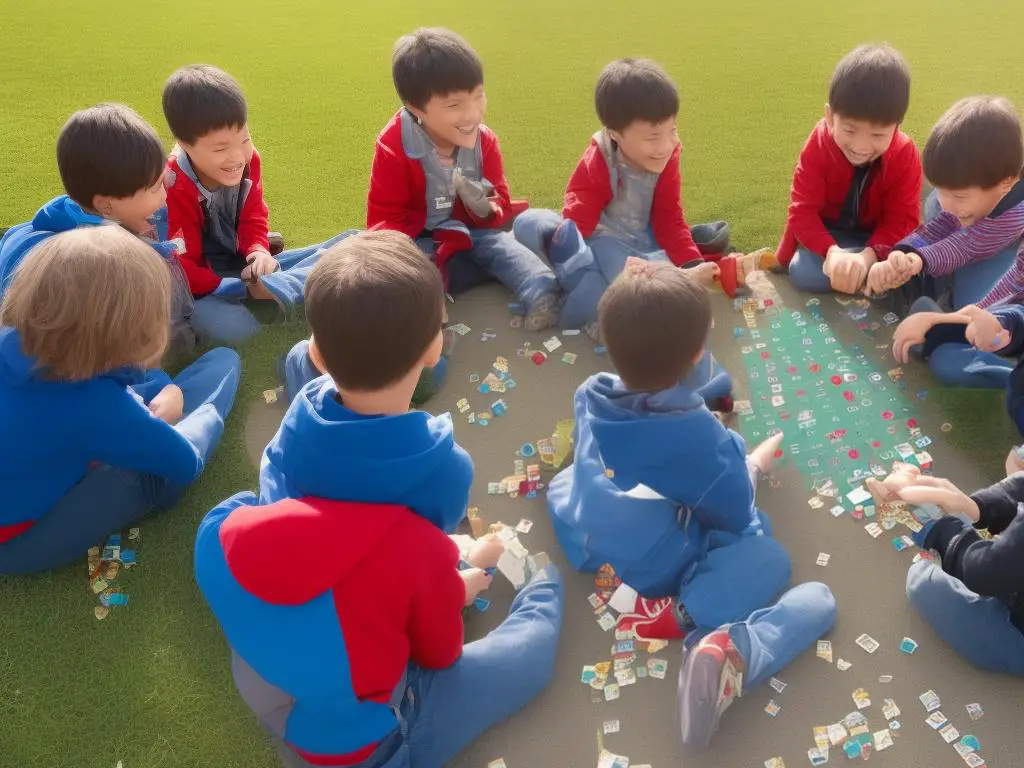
(890, 206)
(590, 190)
(185, 219)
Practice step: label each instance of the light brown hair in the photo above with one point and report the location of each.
(976, 143)
(375, 304)
(655, 321)
(871, 83)
(634, 89)
(88, 301)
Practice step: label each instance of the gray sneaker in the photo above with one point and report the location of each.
(543, 314)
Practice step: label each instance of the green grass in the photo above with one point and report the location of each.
(150, 685)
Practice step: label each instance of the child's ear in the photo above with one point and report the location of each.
(615, 136)
(102, 204)
(1007, 184)
(418, 113)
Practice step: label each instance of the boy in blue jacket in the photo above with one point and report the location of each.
(90, 441)
(659, 488)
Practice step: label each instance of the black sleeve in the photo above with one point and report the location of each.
(992, 568)
(998, 503)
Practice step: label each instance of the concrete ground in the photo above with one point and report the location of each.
(560, 729)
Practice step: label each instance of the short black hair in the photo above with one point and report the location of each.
(108, 150)
(375, 304)
(872, 83)
(433, 62)
(976, 143)
(634, 89)
(200, 99)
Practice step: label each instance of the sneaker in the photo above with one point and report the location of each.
(593, 330)
(543, 314)
(710, 680)
(652, 620)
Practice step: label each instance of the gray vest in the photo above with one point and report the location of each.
(440, 192)
(628, 215)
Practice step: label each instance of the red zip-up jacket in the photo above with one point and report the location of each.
(890, 206)
(590, 190)
(185, 220)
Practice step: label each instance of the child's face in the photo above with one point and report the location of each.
(219, 158)
(453, 120)
(972, 204)
(861, 141)
(647, 146)
(133, 212)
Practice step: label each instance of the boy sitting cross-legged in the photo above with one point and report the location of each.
(216, 208)
(356, 657)
(438, 176)
(659, 488)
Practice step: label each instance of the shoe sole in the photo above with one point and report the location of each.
(698, 700)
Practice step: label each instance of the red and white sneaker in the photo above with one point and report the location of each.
(710, 680)
(652, 620)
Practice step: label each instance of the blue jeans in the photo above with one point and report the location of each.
(772, 637)
(444, 710)
(806, 268)
(108, 499)
(585, 277)
(498, 254)
(225, 321)
(977, 628)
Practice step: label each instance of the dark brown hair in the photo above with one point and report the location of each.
(872, 83)
(375, 304)
(634, 89)
(200, 99)
(976, 143)
(108, 150)
(654, 320)
(433, 62)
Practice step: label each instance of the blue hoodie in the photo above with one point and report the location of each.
(654, 474)
(51, 431)
(323, 449)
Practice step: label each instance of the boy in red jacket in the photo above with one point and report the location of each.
(623, 198)
(857, 185)
(437, 175)
(215, 207)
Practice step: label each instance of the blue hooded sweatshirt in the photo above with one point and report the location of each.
(51, 431)
(323, 449)
(655, 480)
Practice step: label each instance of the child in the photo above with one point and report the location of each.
(623, 198)
(966, 254)
(89, 440)
(438, 177)
(356, 493)
(857, 185)
(111, 162)
(975, 601)
(659, 489)
(215, 206)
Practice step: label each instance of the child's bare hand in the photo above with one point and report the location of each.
(910, 333)
(475, 581)
(847, 271)
(943, 494)
(485, 552)
(984, 330)
(906, 264)
(902, 476)
(882, 277)
(169, 404)
(260, 264)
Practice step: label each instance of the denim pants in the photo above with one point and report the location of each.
(806, 270)
(585, 277)
(225, 321)
(442, 711)
(977, 628)
(497, 254)
(108, 499)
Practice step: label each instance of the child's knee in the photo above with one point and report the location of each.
(224, 358)
(818, 601)
(806, 274)
(924, 592)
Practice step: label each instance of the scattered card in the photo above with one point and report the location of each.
(823, 558)
(868, 643)
(777, 685)
(861, 698)
(843, 664)
(610, 726)
(825, 650)
(908, 646)
(930, 699)
(772, 708)
(975, 712)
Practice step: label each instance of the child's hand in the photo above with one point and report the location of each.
(882, 277)
(910, 333)
(485, 552)
(260, 264)
(887, 490)
(704, 274)
(906, 264)
(943, 494)
(475, 581)
(1014, 462)
(984, 330)
(847, 271)
(169, 404)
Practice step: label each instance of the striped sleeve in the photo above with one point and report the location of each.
(1010, 287)
(975, 243)
(933, 230)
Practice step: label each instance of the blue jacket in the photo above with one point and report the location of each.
(51, 431)
(325, 450)
(655, 474)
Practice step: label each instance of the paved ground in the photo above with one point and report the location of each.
(560, 728)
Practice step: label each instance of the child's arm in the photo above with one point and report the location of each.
(185, 223)
(448, 496)
(1008, 287)
(588, 193)
(494, 172)
(912, 330)
(901, 206)
(971, 244)
(667, 220)
(389, 201)
(435, 619)
(253, 220)
(807, 198)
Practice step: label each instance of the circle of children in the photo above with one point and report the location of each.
(352, 661)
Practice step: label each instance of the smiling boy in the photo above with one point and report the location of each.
(438, 176)
(857, 185)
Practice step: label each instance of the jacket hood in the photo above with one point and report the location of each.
(62, 214)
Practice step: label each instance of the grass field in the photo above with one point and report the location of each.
(150, 686)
